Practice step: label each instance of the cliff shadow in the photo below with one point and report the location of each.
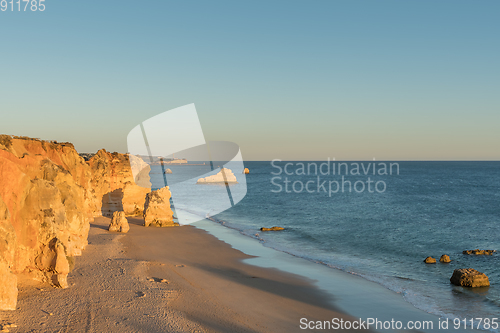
(112, 202)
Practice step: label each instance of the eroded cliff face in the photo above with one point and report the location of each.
(48, 197)
(113, 185)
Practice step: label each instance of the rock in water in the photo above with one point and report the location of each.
(445, 258)
(479, 252)
(246, 171)
(119, 223)
(168, 171)
(225, 175)
(469, 277)
(430, 260)
(157, 211)
(272, 229)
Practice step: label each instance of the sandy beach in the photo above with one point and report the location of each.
(178, 279)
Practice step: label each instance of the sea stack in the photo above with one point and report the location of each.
(157, 211)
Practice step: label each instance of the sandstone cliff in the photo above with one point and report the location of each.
(114, 187)
(48, 196)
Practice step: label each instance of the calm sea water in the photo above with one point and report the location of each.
(428, 209)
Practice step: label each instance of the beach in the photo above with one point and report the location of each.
(178, 279)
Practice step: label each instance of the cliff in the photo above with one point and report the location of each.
(48, 197)
(114, 187)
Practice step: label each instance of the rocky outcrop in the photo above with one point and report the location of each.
(246, 171)
(157, 211)
(478, 252)
(44, 214)
(445, 259)
(272, 229)
(222, 177)
(119, 223)
(469, 277)
(119, 182)
(167, 171)
(430, 260)
(48, 196)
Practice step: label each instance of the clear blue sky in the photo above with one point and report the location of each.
(400, 80)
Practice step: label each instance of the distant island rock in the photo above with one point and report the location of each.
(225, 175)
(469, 277)
(272, 229)
(430, 260)
(246, 171)
(478, 252)
(167, 171)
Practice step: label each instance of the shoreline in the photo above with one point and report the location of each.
(236, 296)
(178, 279)
(352, 294)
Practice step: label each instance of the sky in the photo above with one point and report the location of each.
(290, 80)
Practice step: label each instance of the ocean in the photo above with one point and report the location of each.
(381, 224)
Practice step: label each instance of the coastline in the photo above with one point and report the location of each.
(353, 295)
(116, 286)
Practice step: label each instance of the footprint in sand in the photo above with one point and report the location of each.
(153, 279)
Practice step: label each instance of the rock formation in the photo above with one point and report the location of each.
(223, 176)
(272, 229)
(157, 211)
(168, 171)
(478, 252)
(445, 259)
(119, 223)
(44, 211)
(430, 260)
(246, 171)
(48, 196)
(119, 182)
(468, 277)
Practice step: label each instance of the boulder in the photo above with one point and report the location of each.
(225, 175)
(246, 171)
(445, 259)
(157, 211)
(479, 252)
(119, 223)
(167, 171)
(430, 260)
(272, 229)
(469, 277)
